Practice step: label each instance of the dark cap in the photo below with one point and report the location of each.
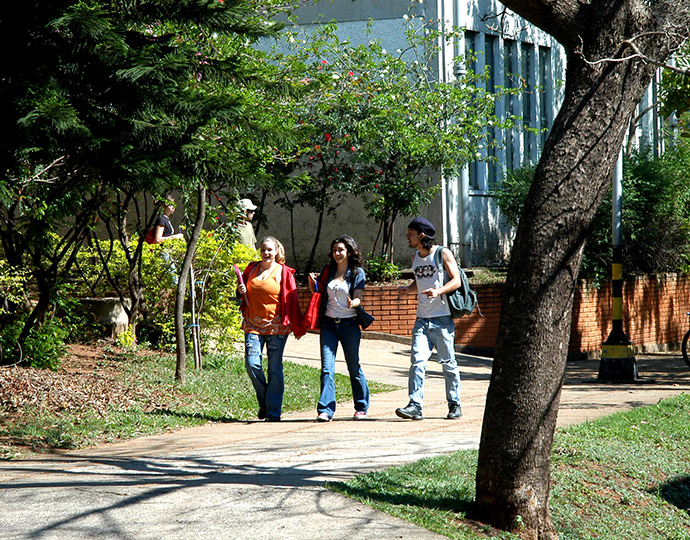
(422, 225)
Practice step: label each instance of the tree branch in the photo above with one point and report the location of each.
(556, 17)
(677, 44)
(37, 177)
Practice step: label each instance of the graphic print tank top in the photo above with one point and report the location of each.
(427, 276)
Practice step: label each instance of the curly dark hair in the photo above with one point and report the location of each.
(354, 255)
(427, 242)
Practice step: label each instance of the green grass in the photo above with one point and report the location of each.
(625, 476)
(221, 392)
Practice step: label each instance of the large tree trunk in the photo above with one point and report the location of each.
(513, 476)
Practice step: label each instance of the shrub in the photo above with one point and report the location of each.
(656, 212)
(214, 279)
(379, 269)
(44, 347)
(45, 344)
(656, 215)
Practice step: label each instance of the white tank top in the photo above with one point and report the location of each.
(427, 276)
(338, 291)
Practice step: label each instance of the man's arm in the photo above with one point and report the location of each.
(451, 266)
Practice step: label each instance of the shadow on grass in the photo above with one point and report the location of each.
(394, 494)
(675, 492)
(196, 416)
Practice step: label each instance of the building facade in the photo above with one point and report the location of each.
(515, 54)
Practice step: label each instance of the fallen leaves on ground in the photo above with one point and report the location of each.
(87, 381)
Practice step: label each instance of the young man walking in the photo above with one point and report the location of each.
(434, 326)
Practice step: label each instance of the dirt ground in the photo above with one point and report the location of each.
(88, 380)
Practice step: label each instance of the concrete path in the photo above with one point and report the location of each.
(259, 480)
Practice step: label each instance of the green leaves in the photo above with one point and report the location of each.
(391, 125)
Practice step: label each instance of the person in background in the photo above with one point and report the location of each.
(245, 227)
(271, 312)
(344, 286)
(434, 326)
(163, 231)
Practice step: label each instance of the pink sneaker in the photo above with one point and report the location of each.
(323, 417)
(360, 415)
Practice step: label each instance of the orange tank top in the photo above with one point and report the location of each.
(263, 314)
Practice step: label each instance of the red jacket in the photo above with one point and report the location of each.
(289, 300)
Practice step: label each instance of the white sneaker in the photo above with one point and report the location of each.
(323, 417)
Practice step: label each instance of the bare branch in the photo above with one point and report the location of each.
(37, 177)
(678, 40)
(500, 26)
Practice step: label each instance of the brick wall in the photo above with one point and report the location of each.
(654, 307)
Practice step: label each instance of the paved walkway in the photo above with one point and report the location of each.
(259, 480)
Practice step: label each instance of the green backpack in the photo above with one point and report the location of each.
(462, 300)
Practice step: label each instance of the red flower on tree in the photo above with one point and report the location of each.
(327, 136)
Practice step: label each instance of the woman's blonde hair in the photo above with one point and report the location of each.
(280, 250)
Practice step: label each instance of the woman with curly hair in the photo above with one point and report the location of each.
(344, 286)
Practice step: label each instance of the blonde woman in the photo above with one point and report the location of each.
(271, 312)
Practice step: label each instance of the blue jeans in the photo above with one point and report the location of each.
(172, 269)
(347, 333)
(268, 394)
(436, 332)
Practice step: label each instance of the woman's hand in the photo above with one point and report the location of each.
(242, 289)
(311, 280)
(353, 303)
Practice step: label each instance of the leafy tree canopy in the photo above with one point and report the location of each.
(100, 96)
(382, 123)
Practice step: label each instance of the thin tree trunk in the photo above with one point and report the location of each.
(180, 370)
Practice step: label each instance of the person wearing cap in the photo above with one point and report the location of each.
(245, 228)
(434, 327)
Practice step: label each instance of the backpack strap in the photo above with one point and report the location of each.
(438, 259)
(464, 288)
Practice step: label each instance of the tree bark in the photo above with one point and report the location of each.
(573, 175)
(180, 370)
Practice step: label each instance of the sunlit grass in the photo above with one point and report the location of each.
(221, 392)
(622, 477)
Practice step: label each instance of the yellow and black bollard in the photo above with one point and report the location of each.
(618, 352)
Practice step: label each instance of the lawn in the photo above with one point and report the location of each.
(103, 393)
(622, 477)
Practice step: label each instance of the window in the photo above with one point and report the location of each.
(471, 62)
(511, 81)
(527, 99)
(492, 59)
(546, 89)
